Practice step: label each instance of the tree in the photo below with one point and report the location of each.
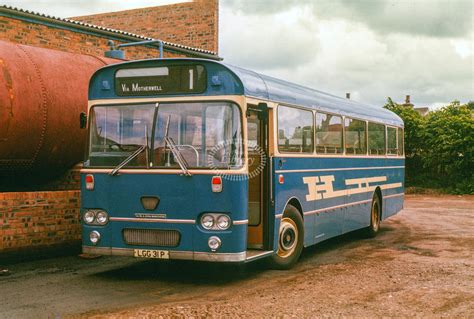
(470, 105)
(449, 141)
(439, 148)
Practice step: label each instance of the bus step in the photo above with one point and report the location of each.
(253, 254)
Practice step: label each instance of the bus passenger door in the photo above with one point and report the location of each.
(257, 165)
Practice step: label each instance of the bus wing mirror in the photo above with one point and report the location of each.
(82, 120)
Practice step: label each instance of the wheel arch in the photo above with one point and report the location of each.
(295, 202)
(285, 258)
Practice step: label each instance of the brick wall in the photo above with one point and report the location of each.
(34, 220)
(193, 24)
(44, 36)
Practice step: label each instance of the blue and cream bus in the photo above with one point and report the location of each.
(199, 160)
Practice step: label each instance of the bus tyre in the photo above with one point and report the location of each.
(375, 214)
(290, 240)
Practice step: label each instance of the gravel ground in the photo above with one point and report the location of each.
(421, 265)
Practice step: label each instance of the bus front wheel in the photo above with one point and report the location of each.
(375, 216)
(290, 239)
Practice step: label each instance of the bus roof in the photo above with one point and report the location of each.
(226, 79)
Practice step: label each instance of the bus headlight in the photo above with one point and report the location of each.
(96, 217)
(89, 217)
(223, 222)
(215, 221)
(207, 221)
(94, 237)
(102, 217)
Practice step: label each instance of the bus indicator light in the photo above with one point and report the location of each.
(216, 184)
(281, 179)
(90, 182)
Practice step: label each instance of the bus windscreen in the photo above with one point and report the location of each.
(206, 135)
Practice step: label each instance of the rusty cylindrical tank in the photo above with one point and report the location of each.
(42, 93)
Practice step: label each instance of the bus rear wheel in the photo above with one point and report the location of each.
(375, 217)
(290, 240)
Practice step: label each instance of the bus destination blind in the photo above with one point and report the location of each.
(174, 79)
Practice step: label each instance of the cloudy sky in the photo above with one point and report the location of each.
(371, 48)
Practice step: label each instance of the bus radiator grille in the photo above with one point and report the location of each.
(151, 237)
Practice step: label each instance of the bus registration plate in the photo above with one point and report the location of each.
(147, 253)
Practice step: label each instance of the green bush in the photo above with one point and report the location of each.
(439, 147)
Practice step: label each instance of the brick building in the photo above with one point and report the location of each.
(48, 217)
(193, 24)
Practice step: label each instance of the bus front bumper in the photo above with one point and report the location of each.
(183, 255)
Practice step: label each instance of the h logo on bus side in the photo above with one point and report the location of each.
(321, 187)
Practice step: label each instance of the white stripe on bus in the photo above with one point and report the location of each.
(240, 222)
(334, 169)
(394, 195)
(167, 221)
(311, 212)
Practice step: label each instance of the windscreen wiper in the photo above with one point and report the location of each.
(183, 164)
(127, 160)
(133, 155)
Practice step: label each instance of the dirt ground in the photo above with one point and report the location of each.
(422, 264)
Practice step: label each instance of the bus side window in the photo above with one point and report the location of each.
(392, 148)
(295, 130)
(401, 141)
(376, 139)
(355, 136)
(328, 134)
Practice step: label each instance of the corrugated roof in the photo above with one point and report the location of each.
(73, 23)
